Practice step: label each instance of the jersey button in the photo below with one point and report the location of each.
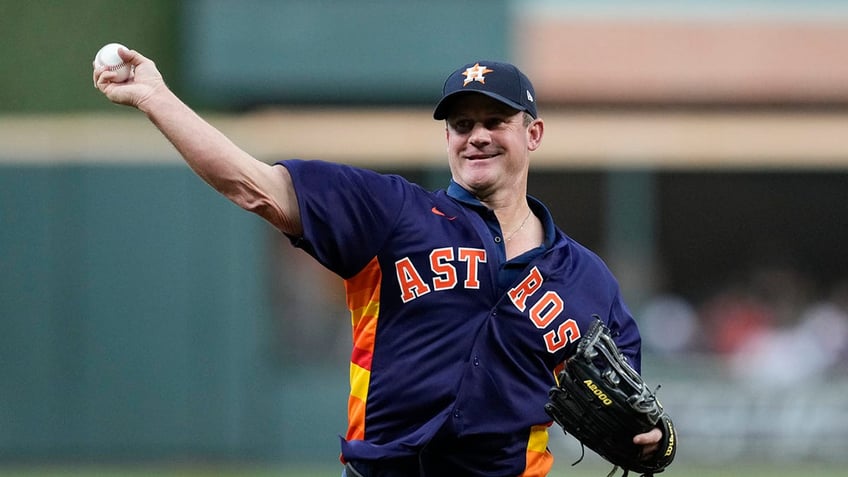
(497, 240)
(476, 361)
(457, 414)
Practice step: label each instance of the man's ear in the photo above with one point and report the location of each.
(535, 131)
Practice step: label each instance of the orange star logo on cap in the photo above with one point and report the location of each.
(475, 73)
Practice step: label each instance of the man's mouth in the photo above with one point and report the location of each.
(478, 157)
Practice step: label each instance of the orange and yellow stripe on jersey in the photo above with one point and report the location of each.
(363, 300)
(539, 458)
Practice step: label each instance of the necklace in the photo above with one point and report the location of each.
(519, 227)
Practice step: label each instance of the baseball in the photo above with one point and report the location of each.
(108, 56)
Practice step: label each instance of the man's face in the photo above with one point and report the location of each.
(489, 145)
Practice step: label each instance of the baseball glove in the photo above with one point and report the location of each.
(603, 402)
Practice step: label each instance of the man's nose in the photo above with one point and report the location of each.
(480, 135)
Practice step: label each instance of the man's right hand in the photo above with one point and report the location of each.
(143, 84)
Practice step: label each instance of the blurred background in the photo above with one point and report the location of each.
(700, 147)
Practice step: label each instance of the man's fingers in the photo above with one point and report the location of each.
(651, 437)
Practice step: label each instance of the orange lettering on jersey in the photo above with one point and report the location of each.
(411, 284)
(527, 287)
(567, 332)
(546, 309)
(472, 257)
(445, 278)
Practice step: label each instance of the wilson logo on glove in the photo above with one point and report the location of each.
(669, 451)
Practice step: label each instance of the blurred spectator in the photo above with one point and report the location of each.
(772, 334)
(826, 323)
(783, 289)
(734, 317)
(669, 324)
(789, 355)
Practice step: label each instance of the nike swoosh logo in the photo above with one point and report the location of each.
(439, 212)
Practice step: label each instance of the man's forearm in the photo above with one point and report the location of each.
(250, 183)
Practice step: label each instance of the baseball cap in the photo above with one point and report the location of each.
(501, 81)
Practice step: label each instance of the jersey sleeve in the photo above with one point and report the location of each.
(625, 332)
(595, 277)
(347, 212)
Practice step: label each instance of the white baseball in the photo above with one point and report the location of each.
(108, 57)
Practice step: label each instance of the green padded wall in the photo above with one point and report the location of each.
(134, 315)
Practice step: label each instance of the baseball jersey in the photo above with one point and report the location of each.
(454, 348)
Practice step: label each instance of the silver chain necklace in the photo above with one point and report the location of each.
(519, 227)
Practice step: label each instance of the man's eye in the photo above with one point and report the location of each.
(493, 123)
(463, 126)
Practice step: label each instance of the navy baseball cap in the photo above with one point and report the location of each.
(501, 81)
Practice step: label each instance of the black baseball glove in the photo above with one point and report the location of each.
(603, 402)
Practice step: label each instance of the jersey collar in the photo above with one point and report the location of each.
(458, 193)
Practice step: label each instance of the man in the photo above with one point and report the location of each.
(463, 301)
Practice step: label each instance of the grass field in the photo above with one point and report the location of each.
(590, 470)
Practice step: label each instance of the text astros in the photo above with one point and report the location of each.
(443, 263)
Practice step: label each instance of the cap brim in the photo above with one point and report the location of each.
(443, 108)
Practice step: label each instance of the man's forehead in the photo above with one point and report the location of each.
(476, 103)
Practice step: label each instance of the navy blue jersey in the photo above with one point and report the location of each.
(453, 347)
